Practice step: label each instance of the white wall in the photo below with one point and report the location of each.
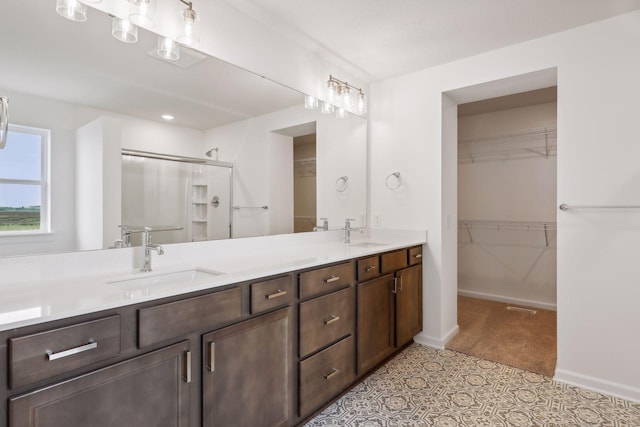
(597, 70)
(508, 265)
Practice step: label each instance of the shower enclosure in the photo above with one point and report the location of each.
(190, 198)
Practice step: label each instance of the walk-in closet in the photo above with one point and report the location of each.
(507, 180)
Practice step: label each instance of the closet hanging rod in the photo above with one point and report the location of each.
(565, 207)
(508, 225)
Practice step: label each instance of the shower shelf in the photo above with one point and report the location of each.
(539, 142)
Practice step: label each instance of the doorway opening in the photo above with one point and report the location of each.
(304, 183)
(506, 269)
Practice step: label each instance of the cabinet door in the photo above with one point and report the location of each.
(247, 374)
(408, 304)
(375, 322)
(149, 390)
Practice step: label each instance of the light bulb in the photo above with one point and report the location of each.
(141, 13)
(347, 99)
(310, 103)
(72, 10)
(326, 108)
(168, 49)
(190, 32)
(124, 30)
(341, 113)
(361, 103)
(332, 91)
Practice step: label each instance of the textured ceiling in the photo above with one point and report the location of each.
(377, 39)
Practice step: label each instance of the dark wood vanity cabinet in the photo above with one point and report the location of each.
(389, 308)
(148, 390)
(246, 373)
(267, 352)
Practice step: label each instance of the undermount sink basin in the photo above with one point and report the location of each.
(194, 276)
(368, 244)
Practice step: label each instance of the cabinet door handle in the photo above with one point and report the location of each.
(395, 285)
(331, 320)
(279, 293)
(332, 279)
(66, 353)
(418, 255)
(333, 373)
(187, 367)
(212, 357)
(370, 268)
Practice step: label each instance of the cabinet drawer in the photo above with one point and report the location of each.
(326, 279)
(368, 268)
(39, 356)
(271, 294)
(326, 319)
(326, 374)
(393, 261)
(180, 318)
(415, 255)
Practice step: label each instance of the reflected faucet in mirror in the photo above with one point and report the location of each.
(325, 225)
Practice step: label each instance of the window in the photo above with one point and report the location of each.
(24, 189)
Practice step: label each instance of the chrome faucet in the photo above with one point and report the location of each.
(347, 230)
(148, 247)
(325, 225)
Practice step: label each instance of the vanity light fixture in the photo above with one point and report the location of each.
(168, 49)
(124, 30)
(342, 93)
(141, 12)
(73, 10)
(190, 29)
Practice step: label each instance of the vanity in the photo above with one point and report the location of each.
(270, 349)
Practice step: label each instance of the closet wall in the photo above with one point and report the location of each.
(507, 205)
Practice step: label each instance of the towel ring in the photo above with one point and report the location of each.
(393, 181)
(342, 183)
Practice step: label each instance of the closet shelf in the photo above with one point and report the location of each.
(538, 142)
(543, 226)
(305, 167)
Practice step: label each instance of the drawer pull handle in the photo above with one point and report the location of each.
(333, 319)
(212, 357)
(279, 293)
(187, 368)
(89, 346)
(332, 374)
(370, 268)
(332, 279)
(418, 255)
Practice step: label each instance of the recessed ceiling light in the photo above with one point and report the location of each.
(168, 117)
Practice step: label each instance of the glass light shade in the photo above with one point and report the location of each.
(191, 28)
(347, 99)
(168, 49)
(332, 91)
(326, 108)
(341, 113)
(361, 103)
(124, 30)
(141, 13)
(72, 10)
(310, 103)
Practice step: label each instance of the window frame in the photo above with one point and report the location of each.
(44, 182)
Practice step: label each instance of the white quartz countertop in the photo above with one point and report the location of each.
(96, 283)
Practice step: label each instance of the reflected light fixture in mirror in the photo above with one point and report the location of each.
(141, 12)
(341, 113)
(124, 30)
(72, 10)
(190, 29)
(310, 103)
(326, 108)
(168, 49)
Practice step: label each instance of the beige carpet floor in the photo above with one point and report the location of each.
(491, 332)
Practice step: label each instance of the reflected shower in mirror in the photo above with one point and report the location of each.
(99, 98)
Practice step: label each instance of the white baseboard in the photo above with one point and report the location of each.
(434, 342)
(598, 385)
(509, 300)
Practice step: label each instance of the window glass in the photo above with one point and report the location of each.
(19, 207)
(21, 158)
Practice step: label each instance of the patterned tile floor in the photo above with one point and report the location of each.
(423, 386)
